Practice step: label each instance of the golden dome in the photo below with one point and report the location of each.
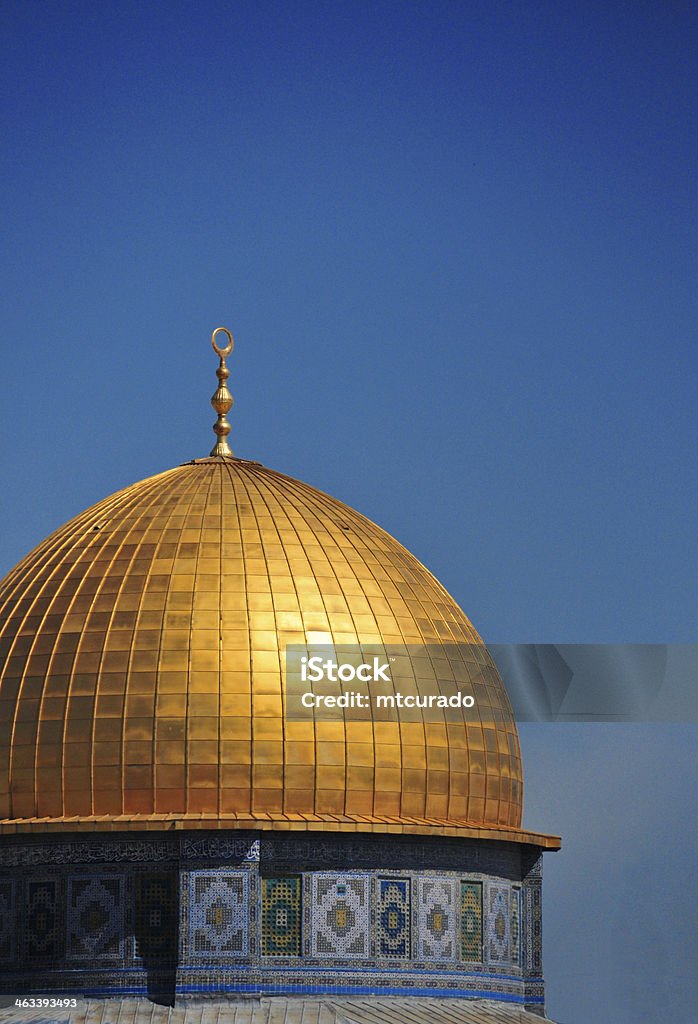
(141, 683)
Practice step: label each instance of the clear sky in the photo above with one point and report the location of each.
(456, 245)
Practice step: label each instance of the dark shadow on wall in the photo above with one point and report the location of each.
(156, 928)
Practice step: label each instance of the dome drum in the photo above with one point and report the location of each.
(254, 913)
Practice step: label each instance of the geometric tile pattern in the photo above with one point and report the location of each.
(471, 921)
(157, 917)
(219, 913)
(281, 916)
(516, 925)
(340, 916)
(7, 919)
(95, 916)
(498, 924)
(534, 929)
(436, 916)
(43, 924)
(393, 917)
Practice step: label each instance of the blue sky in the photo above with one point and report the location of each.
(456, 245)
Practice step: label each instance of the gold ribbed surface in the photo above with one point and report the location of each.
(142, 649)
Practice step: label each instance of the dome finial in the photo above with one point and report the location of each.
(222, 400)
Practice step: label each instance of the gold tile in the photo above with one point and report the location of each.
(202, 728)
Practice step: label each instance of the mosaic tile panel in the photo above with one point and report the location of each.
(471, 921)
(340, 920)
(281, 916)
(533, 928)
(219, 914)
(516, 925)
(157, 915)
(393, 917)
(7, 920)
(436, 919)
(43, 922)
(95, 916)
(498, 924)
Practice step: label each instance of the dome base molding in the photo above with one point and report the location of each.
(286, 823)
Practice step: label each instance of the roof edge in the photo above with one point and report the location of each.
(288, 823)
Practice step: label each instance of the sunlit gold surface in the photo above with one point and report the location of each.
(142, 647)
